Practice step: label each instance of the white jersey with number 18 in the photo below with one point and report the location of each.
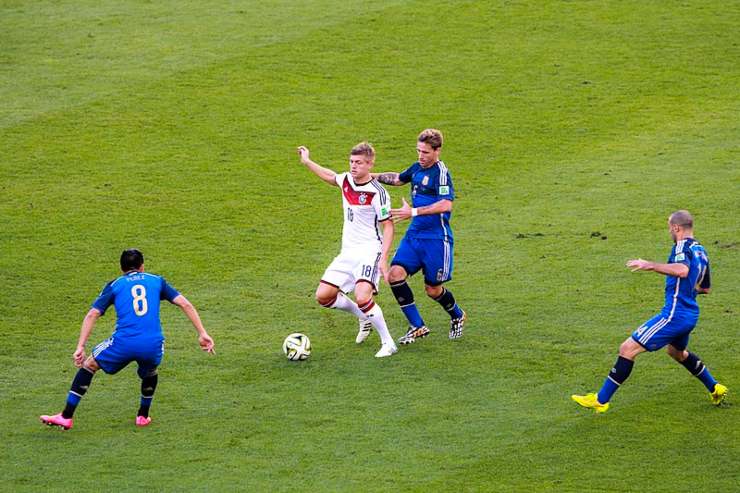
(365, 206)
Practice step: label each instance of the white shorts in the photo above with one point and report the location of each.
(351, 266)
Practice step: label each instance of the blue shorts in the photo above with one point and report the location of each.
(433, 257)
(112, 355)
(663, 329)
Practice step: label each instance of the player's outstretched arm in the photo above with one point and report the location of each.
(324, 173)
(675, 270)
(87, 326)
(388, 178)
(205, 341)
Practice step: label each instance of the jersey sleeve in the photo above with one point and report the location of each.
(104, 299)
(706, 281)
(382, 204)
(168, 292)
(445, 189)
(405, 176)
(339, 179)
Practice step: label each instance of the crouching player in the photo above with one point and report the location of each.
(138, 335)
(364, 255)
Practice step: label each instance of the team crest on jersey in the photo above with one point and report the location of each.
(362, 198)
(425, 180)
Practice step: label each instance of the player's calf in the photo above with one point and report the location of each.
(80, 385)
(405, 298)
(696, 367)
(446, 300)
(148, 386)
(78, 389)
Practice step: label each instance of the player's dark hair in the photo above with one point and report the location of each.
(131, 259)
(363, 149)
(682, 218)
(431, 136)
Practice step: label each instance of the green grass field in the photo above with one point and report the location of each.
(573, 128)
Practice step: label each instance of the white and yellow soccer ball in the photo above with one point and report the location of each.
(297, 347)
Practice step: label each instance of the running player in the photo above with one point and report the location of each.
(687, 274)
(364, 255)
(138, 335)
(428, 243)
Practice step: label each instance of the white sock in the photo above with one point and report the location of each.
(347, 305)
(375, 315)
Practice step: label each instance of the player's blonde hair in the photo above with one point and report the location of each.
(363, 149)
(431, 136)
(682, 218)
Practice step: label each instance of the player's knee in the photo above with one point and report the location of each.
(433, 291)
(325, 298)
(363, 300)
(325, 301)
(629, 349)
(326, 295)
(397, 273)
(677, 354)
(91, 365)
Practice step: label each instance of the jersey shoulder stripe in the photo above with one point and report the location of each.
(442, 173)
(679, 247)
(381, 191)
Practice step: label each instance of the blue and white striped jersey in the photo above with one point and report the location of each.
(680, 294)
(429, 185)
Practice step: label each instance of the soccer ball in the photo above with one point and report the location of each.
(297, 347)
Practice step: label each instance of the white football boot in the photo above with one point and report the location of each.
(366, 326)
(386, 350)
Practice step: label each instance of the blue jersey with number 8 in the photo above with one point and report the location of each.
(136, 296)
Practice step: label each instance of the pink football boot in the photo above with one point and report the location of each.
(57, 420)
(141, 421)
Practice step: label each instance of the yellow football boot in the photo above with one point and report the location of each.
(590, 401)
(719, 394)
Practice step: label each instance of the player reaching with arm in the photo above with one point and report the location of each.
(687, 274)
(364, 255)
(138, 335)
(428, 243)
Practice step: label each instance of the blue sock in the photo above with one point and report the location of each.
(618, 374)
(413, 315)
(405, 298)
(448, 303)
(700, 371)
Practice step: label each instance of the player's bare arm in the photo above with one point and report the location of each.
(325, 174)
(87, 326)
(388, 178)
(388, 232)
(204, 340)
(406, 211)
(675, 270)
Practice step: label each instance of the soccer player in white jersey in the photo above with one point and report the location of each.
(364, 255)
